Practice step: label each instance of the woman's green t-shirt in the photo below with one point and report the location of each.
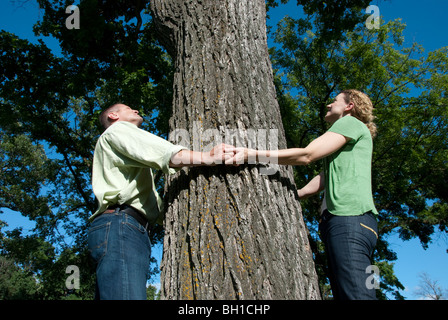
(348, 177)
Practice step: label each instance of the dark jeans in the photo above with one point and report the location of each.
(121, 248)
(349, 244)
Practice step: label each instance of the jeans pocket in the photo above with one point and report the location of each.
(132, 223)
(134, 232)
(370, 229)
(371, 236)
(97, 240)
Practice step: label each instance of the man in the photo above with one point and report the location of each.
(128, 203)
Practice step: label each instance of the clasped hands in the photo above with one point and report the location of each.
(229, 155)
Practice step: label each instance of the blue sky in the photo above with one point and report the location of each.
(426, 25)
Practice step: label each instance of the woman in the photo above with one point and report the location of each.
(348, 224)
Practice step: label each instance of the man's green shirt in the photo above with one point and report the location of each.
(122, 168)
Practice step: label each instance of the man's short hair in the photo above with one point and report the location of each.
(104, 115)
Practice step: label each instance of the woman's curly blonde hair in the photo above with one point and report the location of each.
(363, 108)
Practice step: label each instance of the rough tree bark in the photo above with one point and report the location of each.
(230, 232)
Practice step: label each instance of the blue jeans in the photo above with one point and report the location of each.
(349, 244)
(121, 248)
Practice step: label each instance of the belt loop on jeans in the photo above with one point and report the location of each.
(132, 212)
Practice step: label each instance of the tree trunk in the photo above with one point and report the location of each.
(230, 232)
